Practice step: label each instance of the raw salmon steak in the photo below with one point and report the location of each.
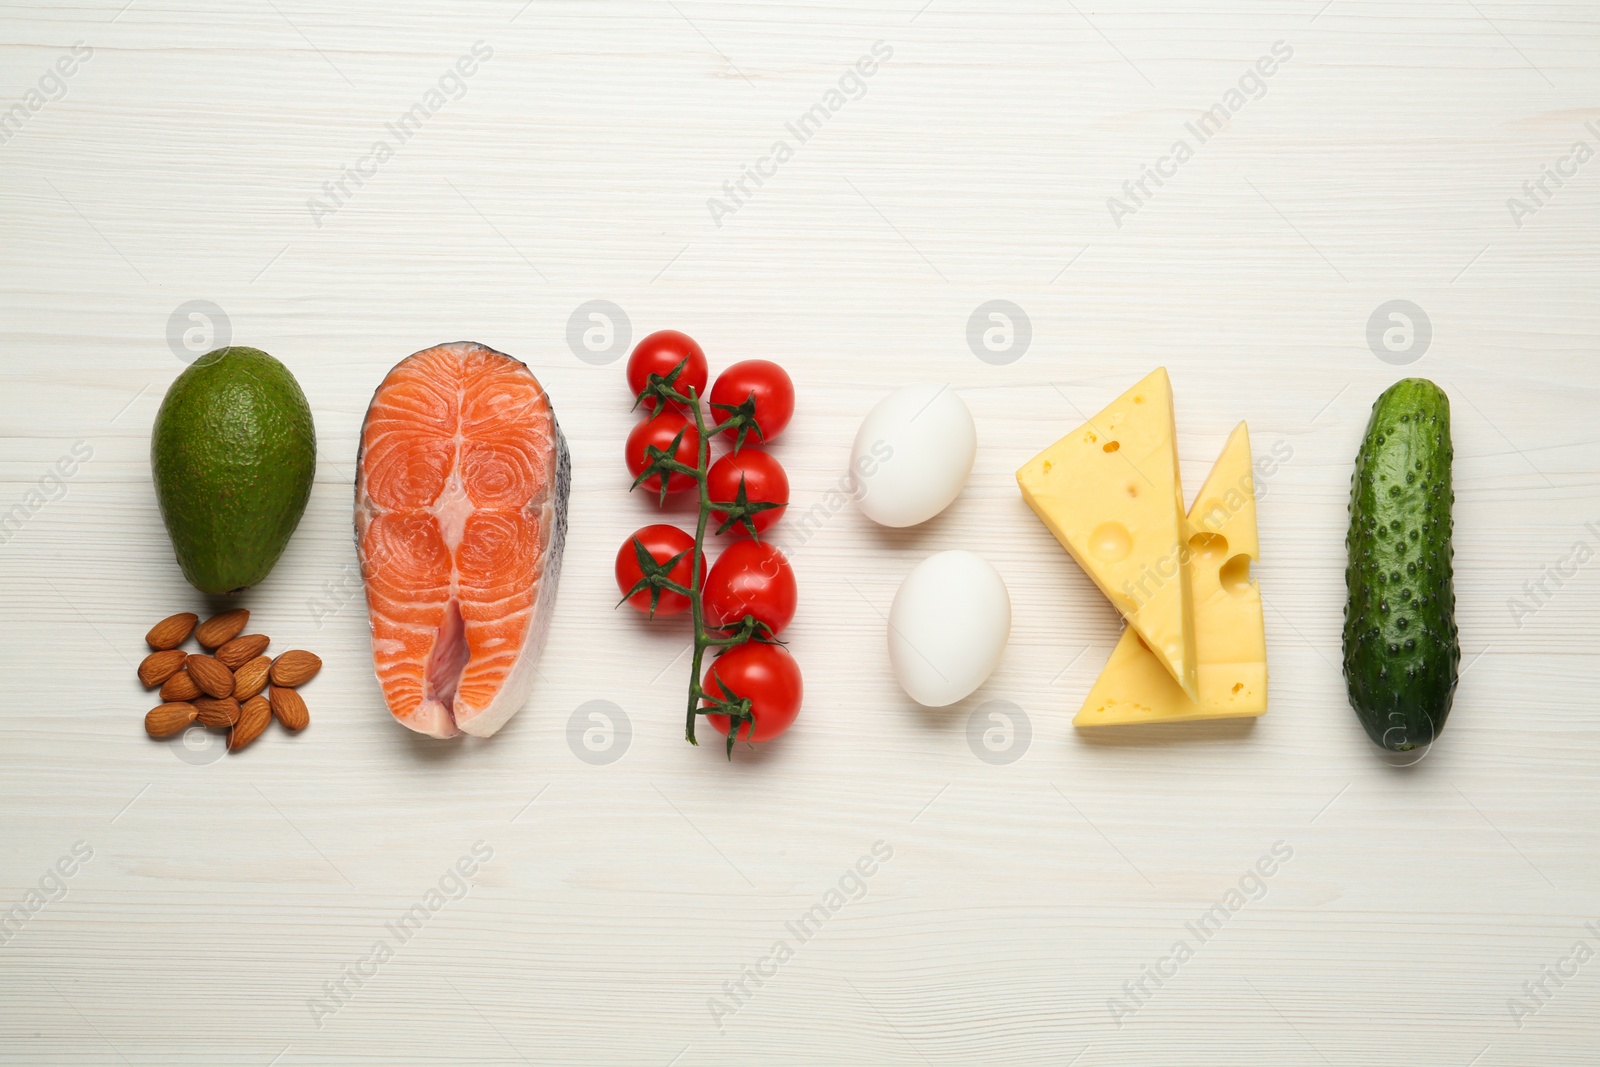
(461, 514)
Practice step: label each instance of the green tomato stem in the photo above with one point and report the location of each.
(702, 638)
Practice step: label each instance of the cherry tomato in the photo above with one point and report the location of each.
(772, 390)
(763, 481)
(659, 354)
(765, 675)
(662, 543)
(750, 578)
(658, 431)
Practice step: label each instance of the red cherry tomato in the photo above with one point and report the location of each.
(771, 389)
(658, 355)
(750, 578)
(662, 543)
(763, 480)
(765, 675)
(658, 431)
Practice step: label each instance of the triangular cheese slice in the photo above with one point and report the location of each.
(1230, 637)
(1110, 493)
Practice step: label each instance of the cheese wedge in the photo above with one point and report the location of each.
(1230, 637)
(1110, 493)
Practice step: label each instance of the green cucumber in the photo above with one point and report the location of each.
(1401, 649)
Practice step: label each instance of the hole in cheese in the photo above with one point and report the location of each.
(1235, 574)
(1208, 547)
(1111, 446)
(1111, 542)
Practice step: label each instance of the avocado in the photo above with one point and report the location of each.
(1402, 651)
(233, 452)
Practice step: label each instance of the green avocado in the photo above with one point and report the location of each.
(233, 453)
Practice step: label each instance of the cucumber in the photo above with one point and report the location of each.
(1401, 649)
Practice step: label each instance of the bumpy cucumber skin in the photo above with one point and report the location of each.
(1401, 649)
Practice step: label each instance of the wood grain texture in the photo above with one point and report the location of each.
(222, 895)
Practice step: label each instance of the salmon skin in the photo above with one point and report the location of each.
(461, 514)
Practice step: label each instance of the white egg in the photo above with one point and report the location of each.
(948, 626)
(912, 455)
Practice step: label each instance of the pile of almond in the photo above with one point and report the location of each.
(234, 688)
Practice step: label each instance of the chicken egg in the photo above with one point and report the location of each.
(912, 455)
(948, 626)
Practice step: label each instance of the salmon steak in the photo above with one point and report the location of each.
(461, 514)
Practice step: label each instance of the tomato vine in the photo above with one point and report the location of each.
(661, 393)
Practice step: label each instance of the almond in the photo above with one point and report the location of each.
(169, 718)
(219, 713)
(289, 708)
(212, 677)
(157, 667)
(220, 629)
(251, 678)
(241, 650)
(180, 687)
(171, 631)
(254, 715)
(295, 667)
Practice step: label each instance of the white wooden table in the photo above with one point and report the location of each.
(224, 897)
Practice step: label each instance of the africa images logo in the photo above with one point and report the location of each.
(451, 85)
(1252, 85)
(454, 884)
(51, 86)
(851, 85)
(1250, 888)
(850, 887)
